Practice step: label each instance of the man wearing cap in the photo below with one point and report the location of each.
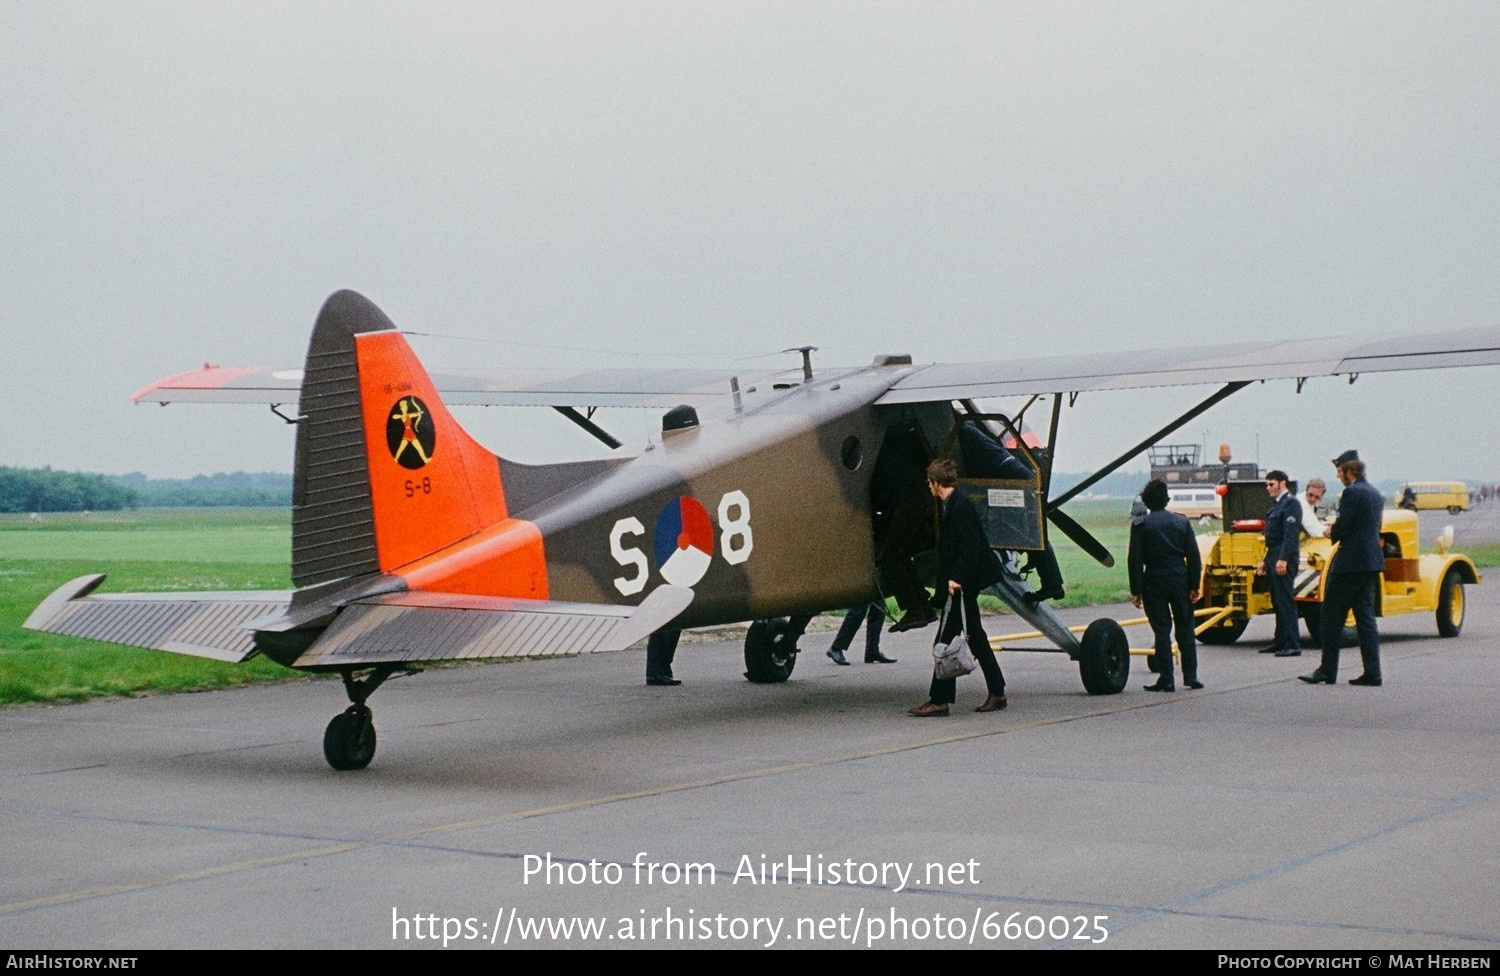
(1353, 575)
(1283, 551)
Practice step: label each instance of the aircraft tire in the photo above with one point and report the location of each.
(349, 740)
(1226, 633)
(1104, 658)
(1450, 608)
(764, 664)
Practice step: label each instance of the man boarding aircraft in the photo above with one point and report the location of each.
(412, 543)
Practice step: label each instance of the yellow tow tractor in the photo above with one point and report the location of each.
(1412, 582)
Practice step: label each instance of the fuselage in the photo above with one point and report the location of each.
(765, 510)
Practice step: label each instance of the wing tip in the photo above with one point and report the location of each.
(74, 589)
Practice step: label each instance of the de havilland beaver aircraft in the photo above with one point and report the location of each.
(412, 543)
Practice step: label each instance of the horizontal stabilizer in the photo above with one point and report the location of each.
(401, 627)
(211, 625)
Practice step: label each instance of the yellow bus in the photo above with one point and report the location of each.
(1431, 495)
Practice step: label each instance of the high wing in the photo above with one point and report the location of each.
(667, 387)
(1232, 366)
(654, 388)
(1237, 362)
(399, 628)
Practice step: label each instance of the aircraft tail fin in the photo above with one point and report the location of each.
(384, 474)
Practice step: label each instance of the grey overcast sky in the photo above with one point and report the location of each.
(669, 183)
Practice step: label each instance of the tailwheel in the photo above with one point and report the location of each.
(1104, 658)
(349, 741)
(767, 659)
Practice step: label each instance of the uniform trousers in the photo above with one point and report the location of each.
(1160, 611)
(874, 613)
(1344, 592)
(1284, 602)
(661, 648)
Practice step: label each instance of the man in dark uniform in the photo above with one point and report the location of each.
(1164, 572)
(966, 565)
(1283, 539)
(872, 615)
(1354, 574)
(661, 648)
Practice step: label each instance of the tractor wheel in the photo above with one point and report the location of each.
(1450, 609)
(1312, 616)
(1227, 632)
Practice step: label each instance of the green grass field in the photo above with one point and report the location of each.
(155, 549)
(1089, 583)
(248, 549)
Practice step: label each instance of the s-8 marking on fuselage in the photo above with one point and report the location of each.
(683, 541)
(413, 543)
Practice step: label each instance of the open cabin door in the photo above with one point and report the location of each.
(1006, 483)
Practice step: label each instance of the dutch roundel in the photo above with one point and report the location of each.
(684, 543)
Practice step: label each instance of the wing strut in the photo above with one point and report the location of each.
(1052, 439)
(1222, 393)
(1070, 528)
(599, 432)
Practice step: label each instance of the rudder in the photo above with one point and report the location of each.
(384, 474)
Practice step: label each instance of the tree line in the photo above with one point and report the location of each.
(45, 490)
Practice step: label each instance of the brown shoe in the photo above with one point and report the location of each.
(928, 710)
(993, 704)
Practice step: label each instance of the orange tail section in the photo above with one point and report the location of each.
(385, 475)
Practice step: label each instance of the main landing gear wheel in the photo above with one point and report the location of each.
(766, 661)
(1450, 608)
(349, 741)
(1104, 658)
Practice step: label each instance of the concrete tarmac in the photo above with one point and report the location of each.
(1258, 813)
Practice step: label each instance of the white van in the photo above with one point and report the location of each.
(1195, 501)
